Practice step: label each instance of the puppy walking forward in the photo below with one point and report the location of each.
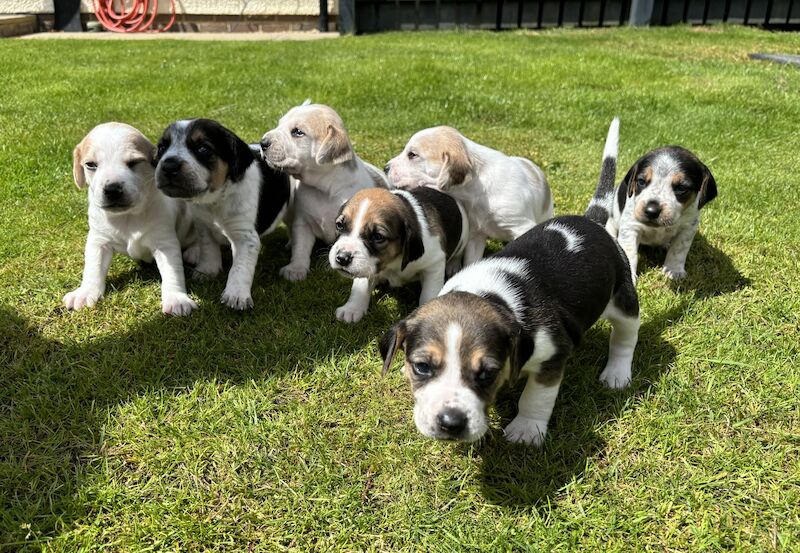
(128, 215)
(521, 311)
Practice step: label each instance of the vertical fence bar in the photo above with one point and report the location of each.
(664, 11)
(602, 15)
(498, 20)
(705, 11)
(789, 11)
(520, 4)
(417, 16)
(685, 14)
(622, 6)
(581, 9)
(323, 16)
(747, 7)
(561, 13)
(768, 14)
(539, 14)
(726, 13)
(438, 13)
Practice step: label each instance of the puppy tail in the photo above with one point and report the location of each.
(602, 204)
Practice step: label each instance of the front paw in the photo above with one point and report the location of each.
(82, 297)
(674, 273)
(523, 430)
(239, 301)
(616, 377)
(349, 313)
(293, 272)
(177, 303)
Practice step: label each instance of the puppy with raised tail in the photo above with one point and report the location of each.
(396, 236)
(235, 198)
(503, 196)
(520, 311)
(311, 144)
(658, 204)
(128, 215)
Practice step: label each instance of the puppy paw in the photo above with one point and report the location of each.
(350, 313)
(177, 303)
(523, 430)
(616, 377)
(240, 302)
(293, 272)
(674, 273)
(82, 297)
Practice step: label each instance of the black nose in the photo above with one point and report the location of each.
(387, 167)
(652, 210)
(344, 258)
(452, 421)
(170, 165)
(266, 143)
(113, 191)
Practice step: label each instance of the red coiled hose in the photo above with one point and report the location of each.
(139, 17)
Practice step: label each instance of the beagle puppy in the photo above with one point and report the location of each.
(235, 198)
(521, 311)
(396, 236)
(503, 196)
(128, 215)
(311, 144)
(658, 204)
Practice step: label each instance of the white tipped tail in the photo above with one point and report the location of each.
(612, 140)
(602, 204)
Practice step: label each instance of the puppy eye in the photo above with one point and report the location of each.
(133, 163)
(203, 150)
(90, 165)
(485, 376)
(161, 149)
(412, 155)
(340, 225)
(297, 133)
(422, 369)
(377, 237)
(641, 183)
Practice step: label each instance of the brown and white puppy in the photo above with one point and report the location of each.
(396, 236)
(503, 196)
(311, 144)
(658, 204)
(128, 215)
(234, 197)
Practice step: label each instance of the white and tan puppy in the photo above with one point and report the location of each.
(311, 144)
(503, 196)
(397, 237)
(128, 215)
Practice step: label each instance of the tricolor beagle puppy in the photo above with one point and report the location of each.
(503, 196)
(520, 311)
(235, 198)
(128, 215)
(658, 204)
(396, 236)
(311, 144)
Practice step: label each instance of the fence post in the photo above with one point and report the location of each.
(347, 17)
(641, 12)
(323, 16)
(67, 15)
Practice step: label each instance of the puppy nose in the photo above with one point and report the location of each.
(170, 165)
(344, 258)
(265, 143)
(113, 191)
(387, 167)
(652, 210)
(452, 421)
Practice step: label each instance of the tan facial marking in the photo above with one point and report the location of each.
(446, 145)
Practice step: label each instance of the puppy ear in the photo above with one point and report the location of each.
(335, 147)
(413, 248)
(708, 190)
(241, 157)
(630, 179)
(77, 165)
(390, 342)
(456, 168)
(521, 351)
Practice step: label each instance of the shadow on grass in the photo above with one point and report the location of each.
(710, 272)
(517, 475)
(55, 395)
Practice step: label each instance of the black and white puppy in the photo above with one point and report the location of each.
(398, 237)
(658, 204)
(521, 310)
(235, 197)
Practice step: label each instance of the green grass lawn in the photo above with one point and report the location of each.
(125, 430)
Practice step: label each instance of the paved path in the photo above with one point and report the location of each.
(287, 35)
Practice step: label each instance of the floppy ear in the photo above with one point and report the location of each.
(630, 179)
(456, 169)
(77, 165)
(389, 343)
(708, 190)
(521, 351)
(335, 147)
(241, 156)
(413, 248)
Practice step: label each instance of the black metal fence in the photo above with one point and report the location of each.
(382, 15)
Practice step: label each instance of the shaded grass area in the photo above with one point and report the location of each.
(126, 430)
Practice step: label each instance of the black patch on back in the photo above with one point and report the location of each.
(273, 196)
(444, 208)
